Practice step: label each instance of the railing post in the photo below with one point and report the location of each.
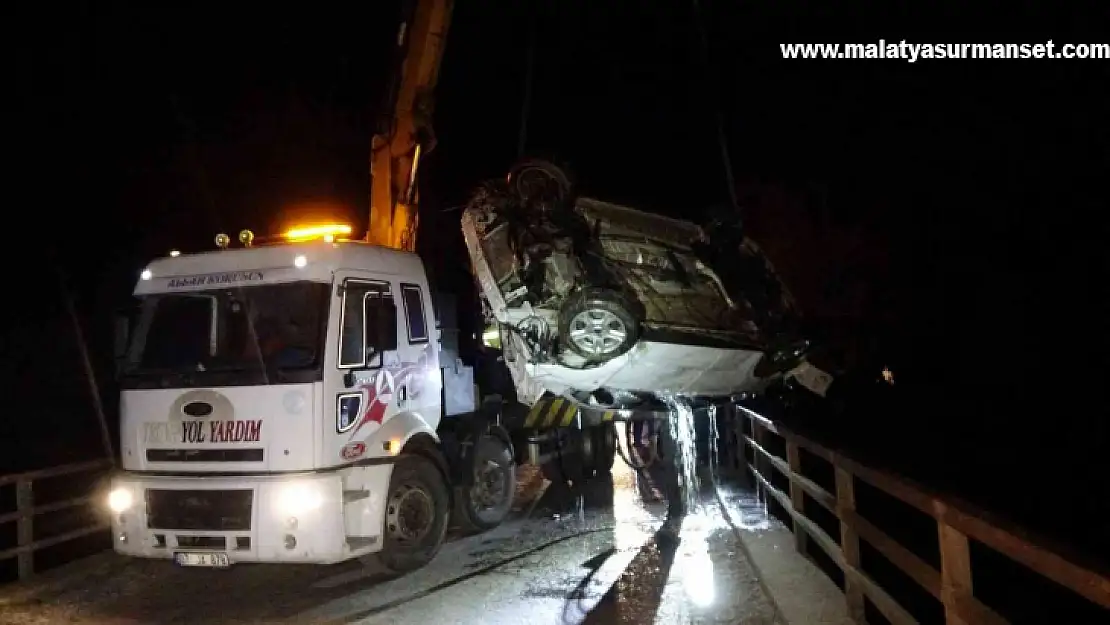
(955, 571)
(797, 495)
(849, 541)
(737, 418)
(759, 463)
(25, 528)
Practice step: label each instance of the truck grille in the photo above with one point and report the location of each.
(204, 455)
(212, 510)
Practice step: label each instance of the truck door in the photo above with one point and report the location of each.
(418, 381)
(359, 390)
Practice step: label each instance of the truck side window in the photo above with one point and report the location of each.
(356, 328)
(414, 313)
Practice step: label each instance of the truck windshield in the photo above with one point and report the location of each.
(277, 328)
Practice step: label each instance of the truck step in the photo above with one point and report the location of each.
(350, 496)
(361, 542)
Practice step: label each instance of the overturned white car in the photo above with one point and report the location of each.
(615, 306)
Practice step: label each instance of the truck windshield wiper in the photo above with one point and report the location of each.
(165, 376)
(169, 379)
(228, 368)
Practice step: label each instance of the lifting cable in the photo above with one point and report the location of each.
(722, 138)
(726, 162)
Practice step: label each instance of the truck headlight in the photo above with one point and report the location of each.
(299, 498)
(120, 500)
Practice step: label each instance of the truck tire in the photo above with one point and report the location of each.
(588, 453)
(566, 469)
(485, 503)
(567, 463)
(604, 449)
(598, 324)
(676, 490)
(418, 505)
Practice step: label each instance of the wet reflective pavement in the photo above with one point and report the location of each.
(594, 554)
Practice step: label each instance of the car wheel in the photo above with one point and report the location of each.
(598, 324)
(536, 179)
(418, 505)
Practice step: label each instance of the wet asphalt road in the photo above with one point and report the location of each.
(590, 555)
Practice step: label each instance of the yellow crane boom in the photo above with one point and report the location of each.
(406, 135)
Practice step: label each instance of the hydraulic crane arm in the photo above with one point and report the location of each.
(406, 133)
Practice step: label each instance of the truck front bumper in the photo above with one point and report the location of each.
(275, 518)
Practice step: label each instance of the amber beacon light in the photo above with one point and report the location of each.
(328, 232)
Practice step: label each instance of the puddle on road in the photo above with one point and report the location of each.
(489, 547)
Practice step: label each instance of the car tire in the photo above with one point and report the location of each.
(533, 175)
(598, 324)
(416, 477)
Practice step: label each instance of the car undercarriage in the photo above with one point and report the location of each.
(583, 293)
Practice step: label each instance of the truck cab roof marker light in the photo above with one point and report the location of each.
(329, 233)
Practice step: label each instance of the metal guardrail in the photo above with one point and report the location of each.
(26, 511)
(956, 522)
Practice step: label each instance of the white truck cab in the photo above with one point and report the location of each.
(286, 403)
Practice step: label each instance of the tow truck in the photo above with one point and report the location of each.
(290, 402)
(298, 398)
(276, 406)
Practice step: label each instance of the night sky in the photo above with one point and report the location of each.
(948, 214)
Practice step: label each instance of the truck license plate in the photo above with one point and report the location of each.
(218, 560)
(812, 378)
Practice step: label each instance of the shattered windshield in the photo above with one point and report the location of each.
(277, 327)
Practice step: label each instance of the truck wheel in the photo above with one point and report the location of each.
(598, 324)
(569, 465)
(569, 469)
(416, 511)
(604, 448)
(487, 501)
